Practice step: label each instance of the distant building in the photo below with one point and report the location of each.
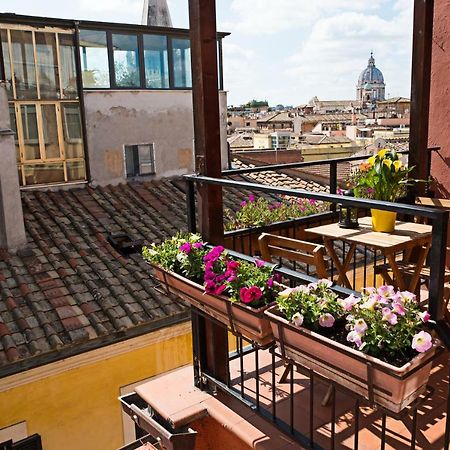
(370, 88)
(394, 107)
(278, 121)
(317, 106)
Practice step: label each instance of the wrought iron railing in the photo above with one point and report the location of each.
(255, 375)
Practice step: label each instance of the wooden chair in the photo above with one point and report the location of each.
(272, 246)
(309, 253)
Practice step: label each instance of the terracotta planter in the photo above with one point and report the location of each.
(384, 384)
(250, 322)
(383, 221)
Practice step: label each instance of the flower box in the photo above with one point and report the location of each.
(249, 322)
(392, 387)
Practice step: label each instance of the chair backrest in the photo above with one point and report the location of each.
(271, 246)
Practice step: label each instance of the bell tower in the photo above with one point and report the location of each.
(156, 13)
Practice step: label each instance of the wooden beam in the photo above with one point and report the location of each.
(205, 96)
(419, 155)
(211, 348)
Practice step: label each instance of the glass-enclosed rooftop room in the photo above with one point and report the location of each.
(48, 63)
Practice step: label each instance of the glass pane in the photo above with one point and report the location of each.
(50, 129)
(94, 59)
(6, 61)
(47, 64)
(73, 142)
(19, 173)
(23, 63)
(182, 63)
(30, 132)
(126, 60)
(156, 62)
(76, 171)
(43, 173)
(12, 116)
(68, 68)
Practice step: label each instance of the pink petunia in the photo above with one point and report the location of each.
(251, 198)
(326, 320)
(425, 316)
(349, 302)
(270, 283)
(422, 342)
(243, 203)
(389, 316)
(398, 307)
(186, 248)
(259, 262)
(251, 294)
(355, 337)
(198, 245)
(360, 326)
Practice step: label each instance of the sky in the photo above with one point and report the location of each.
(283, 51)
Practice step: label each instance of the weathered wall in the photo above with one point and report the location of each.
(118, 118)
(73, 403)
(439, 132)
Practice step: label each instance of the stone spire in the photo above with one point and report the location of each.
(156, 13)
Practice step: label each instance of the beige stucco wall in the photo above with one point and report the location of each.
(165, 118)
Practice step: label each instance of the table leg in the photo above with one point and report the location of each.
(342, 268)
(423, 253)
(398, 276)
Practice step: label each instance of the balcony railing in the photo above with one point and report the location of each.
(293, 398)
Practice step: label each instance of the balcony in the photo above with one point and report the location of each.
(291, 404)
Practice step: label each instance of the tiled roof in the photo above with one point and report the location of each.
(69, 290)
(70, 287)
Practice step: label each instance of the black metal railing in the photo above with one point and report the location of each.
(262, 387)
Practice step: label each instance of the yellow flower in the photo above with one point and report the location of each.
(381, 153)
(371, 160)
(387, 162)
(397, 165)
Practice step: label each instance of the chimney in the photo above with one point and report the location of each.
(12, 228)
(156, 13)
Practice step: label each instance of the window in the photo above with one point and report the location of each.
(126, 60)
(156, 62)
(94, 59)
(139, 160)
(47, 65)
(67, 67)
(24, 69)
(182, 63)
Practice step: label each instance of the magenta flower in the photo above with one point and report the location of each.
(198, 245)
(297, 319)
(422, 342)
(251, 198)
(186, 248)
(389, 316)
(360, 326)
(251, 294)
(312, 201)
(232, 265)
(243, 203)
(259, 262)
(425, 316)
(270, 283)
(370, 190)
(277, 277)
(326, 320)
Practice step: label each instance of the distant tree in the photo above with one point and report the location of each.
(256, 104)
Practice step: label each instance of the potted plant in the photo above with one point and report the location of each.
(382, 177)
(375, 345)
(234, 292)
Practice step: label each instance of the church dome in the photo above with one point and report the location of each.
(371, 74)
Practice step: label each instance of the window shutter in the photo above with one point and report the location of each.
(146, 159)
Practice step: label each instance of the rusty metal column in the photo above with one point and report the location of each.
(420, 91)
(212, 350)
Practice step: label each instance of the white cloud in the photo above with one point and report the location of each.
(331, 58)
(262, 17)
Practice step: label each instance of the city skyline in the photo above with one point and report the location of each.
(286, 51)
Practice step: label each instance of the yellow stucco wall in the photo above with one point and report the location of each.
(76, 408)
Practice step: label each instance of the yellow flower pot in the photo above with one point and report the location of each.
(383, 221)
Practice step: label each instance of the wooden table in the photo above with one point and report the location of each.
(406, 237)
